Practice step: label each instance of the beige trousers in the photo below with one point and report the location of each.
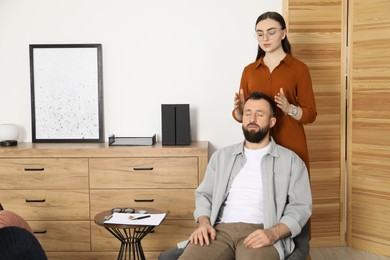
(229, 245)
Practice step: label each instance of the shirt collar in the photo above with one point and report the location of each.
(239, 149)
(287, 60)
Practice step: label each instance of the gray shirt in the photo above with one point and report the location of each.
(287, 194)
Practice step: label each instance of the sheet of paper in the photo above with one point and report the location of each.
(125, 218)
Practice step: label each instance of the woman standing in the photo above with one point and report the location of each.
(286, 79)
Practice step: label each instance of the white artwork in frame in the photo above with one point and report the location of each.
(66, 92)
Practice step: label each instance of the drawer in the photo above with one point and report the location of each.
(29, 174)
(62, 235)
(177, 172)
(165, 236)
(47, 204)
(177, 203)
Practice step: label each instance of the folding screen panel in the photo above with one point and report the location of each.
(316, 33)
(369, 126)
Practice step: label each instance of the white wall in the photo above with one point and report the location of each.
(154, 52)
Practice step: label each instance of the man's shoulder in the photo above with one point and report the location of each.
(230, 149)
(285, 153)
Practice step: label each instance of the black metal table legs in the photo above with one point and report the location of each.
(131, 248)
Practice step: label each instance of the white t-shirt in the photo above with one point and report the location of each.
(244, 202)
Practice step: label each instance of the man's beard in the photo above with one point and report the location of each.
(255, 136)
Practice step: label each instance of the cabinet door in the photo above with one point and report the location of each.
(177, 203)
(144, 172)
(44, 174)
(47, 204)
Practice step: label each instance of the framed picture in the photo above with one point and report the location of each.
(66, 92)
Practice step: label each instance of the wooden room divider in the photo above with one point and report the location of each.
(346, 46)
(369, 126)
(316, 33)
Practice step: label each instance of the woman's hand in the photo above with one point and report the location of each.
(282, 102)
(239, 102)
(286, 107)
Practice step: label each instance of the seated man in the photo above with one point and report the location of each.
(255, 197)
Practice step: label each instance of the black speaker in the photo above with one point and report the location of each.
(176, 128)
(168, 122)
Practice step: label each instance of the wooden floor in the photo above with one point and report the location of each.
(343, 253)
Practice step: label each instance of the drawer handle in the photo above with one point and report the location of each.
(40, 232)
(34, 169)
(135, 200)
(143, 169)
(42, 200)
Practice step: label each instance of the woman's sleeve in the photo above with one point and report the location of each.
(306, 98)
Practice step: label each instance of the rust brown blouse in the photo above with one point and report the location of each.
(294, 77)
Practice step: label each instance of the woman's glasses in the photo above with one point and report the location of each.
(260, 36)
(122, 210)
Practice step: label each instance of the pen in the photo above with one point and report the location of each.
(108, 217)
(141, 217)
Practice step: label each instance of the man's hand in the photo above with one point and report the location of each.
(260, 238)
(203, 233)
(266, 237)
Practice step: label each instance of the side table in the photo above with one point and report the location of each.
(130, 236)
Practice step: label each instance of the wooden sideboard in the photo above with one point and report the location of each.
(59, 188)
